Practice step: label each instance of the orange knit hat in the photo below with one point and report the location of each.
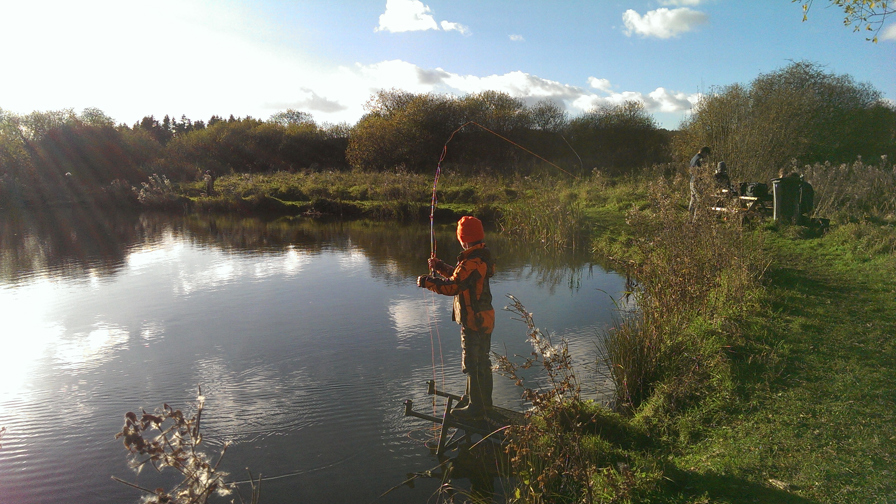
(469, 230)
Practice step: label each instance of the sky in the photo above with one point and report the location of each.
(198, 58)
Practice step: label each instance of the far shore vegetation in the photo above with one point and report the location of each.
(758, 363)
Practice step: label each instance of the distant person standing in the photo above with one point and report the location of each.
(723, 181)
(209, 182)
(696, 163)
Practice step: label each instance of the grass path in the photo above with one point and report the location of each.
(823, 427)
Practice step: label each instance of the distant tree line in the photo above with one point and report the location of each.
(61, 155)
(46, 156)
(406, 130)
(789, 118)
(797, 115)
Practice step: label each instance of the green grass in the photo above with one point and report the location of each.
(825, 426)
(813, 415)
(779, 390)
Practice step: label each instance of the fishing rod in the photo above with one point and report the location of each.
(435, 183)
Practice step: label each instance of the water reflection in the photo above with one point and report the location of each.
(76, 244)
(411, 317)
(305, 337)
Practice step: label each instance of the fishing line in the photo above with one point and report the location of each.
(299, 472)
(432, 231)
(435, 183)
(432, 346)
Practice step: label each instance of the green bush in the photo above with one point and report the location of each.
(853, 191)
(797, 115)
(692, 276)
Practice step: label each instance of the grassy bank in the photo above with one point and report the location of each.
(814, 423)
(546, 209)
(757, 369)
(758, 366)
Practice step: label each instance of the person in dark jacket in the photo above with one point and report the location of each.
(696, 163)
(468, 282)
(723, 181)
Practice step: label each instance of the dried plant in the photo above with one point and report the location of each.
(692, 275)
(547, 454)
(157, 189)
(554, 359)
(169, 438)
(853, 191)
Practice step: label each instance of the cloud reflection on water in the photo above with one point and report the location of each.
(86, 348)
(25, 312)
(304, 336)
(415, 318)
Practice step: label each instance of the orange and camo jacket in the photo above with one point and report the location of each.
(468, 283)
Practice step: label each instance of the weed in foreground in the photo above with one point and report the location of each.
(170, 439)
(570, 450)
(694, 277)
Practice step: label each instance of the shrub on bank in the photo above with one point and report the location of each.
(854, 191)
(668, 359)
(695, 278)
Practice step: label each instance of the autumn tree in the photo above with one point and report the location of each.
(93, 155)
(799, 114)
(547, 115)
(159, 131)
(403, 130)
(617, 137)
(291, 117)
(502, 115)
(92, 116)
(251, 146)
(15, 163)
(867, 15)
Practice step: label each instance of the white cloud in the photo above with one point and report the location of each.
(406, 15)
(518, 84)
(310, 101)
(601, 84)
(658, 101)
(449, 26)
(530, 88)
(517, 38)
(413, 15)
(888, 33)
(225, 38)
(348, 89)
(680, 3)
(663, 100)
(662, 23)
(270, 80)
(393, 73)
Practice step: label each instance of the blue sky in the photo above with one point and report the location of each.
(327, 57)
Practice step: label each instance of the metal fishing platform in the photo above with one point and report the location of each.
(456, 430)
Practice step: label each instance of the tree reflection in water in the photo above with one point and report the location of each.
(76, 242)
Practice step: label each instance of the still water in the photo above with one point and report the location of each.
(305, 337)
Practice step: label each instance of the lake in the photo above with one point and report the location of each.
(304, 336)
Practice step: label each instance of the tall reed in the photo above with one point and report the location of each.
(692, 276)
(554, 218)
(569, 450)
(853, 191)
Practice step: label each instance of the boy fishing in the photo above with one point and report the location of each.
(468, 282)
